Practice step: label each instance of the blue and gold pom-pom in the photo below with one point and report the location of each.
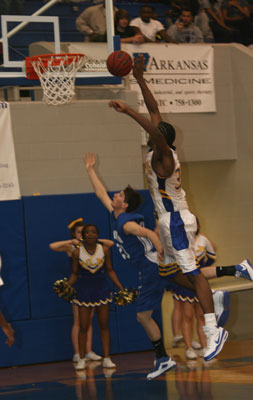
(124, 297)
(64, 290)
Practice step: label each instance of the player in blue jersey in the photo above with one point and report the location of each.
(177, 225)
(136, 244)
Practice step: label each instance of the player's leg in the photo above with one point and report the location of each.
(177, 230)
(103, 320)
(84, 319)
(91, 355)
(163, 361)
(75, 333)
(242, 270)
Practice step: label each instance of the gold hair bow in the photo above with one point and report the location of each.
(71, 224)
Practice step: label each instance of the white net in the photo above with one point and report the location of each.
(57, 77)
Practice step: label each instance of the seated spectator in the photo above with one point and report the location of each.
(202, 22)
(8, 7)
(92, 23)
(221, 32)
(150, 27)
(237, 16)
(127, 33)
(184, 31)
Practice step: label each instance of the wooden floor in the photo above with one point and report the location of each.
(228, 377)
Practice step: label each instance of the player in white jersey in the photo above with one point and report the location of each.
(177, 226)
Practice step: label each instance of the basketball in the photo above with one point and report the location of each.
(119, 63)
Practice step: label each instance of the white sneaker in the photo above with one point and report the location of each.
(91, 356)
(81, 364)
(176, 340)
(76, 357)
(162, 365)
(244, 270)
(221, 299)
(215, 339)
(107, 363)
(190, 354)
(196, 345)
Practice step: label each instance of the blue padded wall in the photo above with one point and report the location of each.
(46, 219)
(14, 294)
(42, 321)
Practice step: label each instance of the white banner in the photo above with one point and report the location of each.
(179, 76)
(9, 185)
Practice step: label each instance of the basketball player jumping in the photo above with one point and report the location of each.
(177, 226)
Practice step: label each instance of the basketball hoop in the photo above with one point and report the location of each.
(57, 74)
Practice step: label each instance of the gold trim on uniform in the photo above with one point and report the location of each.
(168, 269)
(99, 303)
(186, 298)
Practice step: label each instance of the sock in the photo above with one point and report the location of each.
(159, 348)
(210, 320)
(225, 271)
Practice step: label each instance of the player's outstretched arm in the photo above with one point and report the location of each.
(99, 189)
(150, 101)
(7, 330)
(132, 228)
(162, 151)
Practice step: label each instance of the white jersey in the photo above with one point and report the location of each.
(166, 192)
(92, 262)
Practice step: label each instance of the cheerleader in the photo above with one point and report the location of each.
(89, 263)
(68, 246)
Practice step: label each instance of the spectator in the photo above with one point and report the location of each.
(237, 16)
(150, 27)
(92, 23)
(184, 31)
(8, 7)
(127, 33)
(221, 32)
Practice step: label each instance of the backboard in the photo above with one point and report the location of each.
(47, 34)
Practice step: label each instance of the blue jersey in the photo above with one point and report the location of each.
(135, 249)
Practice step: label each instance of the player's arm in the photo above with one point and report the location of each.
(162, 152)
(110, 271)
(150, 101)
(106, 242)
(7, 330)
(99, 189)
(75, 266)
(132, 228)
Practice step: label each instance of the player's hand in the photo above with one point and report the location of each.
(118, 106)
(9, 332)
(75, 242)
(139, 66)
(89, 160)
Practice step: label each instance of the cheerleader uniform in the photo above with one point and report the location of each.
(92, 288)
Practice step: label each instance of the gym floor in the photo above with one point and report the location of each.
(230, 376)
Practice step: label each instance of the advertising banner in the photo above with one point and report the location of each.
(180, 76)
(9, 185)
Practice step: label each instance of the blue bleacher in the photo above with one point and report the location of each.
(34, 32)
